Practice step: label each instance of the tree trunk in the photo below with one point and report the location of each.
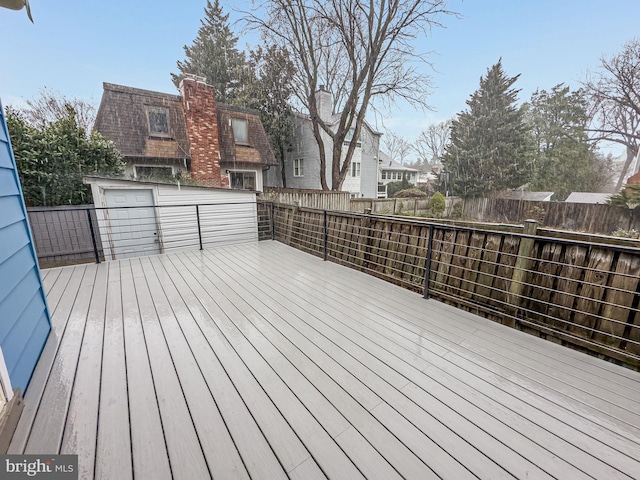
(283, 172)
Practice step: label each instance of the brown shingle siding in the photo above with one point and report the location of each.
(122, 118)
(259, 149)
(199, 130)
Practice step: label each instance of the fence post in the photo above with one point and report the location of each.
(273, 222)
(325, 236)
(520, 269)
(199, 229)
(93, 236)
(427, 267)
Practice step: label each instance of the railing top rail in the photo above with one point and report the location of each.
(81, 208)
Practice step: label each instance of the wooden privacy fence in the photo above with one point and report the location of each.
(579, 217)
(582, 294)
(400, 206)
(308, 198)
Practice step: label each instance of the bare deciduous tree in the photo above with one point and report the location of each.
(614, 92)
(52, 106)
(430, 144)
(397, 147)
(359, 50)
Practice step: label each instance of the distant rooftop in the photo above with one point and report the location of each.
(587, 197)
(386, 163)
(523, 195)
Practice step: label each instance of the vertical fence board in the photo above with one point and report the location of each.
(470, 275)
(506, 261)
(392, 250)
(622, 295)
(542, 279)
(436, 254)
(444, 258)
(487, 267)
(593, 289)
(568, 283)
(458, 261)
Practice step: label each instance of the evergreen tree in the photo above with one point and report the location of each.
(270, 92)
(490, 147)
(214, 55)
(564, 161)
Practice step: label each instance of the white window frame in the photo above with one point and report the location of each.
(356, 169)
(235, 121)
(255, 178)
(298, 167)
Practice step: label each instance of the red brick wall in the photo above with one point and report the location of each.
(199, 103)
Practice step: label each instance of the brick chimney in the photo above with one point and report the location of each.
(199, 102)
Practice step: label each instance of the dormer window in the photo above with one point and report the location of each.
(240, 130)
(158, 118)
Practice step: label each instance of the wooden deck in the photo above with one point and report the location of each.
(260, 361)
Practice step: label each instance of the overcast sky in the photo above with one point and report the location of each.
(75, 45)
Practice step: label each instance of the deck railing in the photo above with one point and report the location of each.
(580, 293)
(585, 294)
(87, 234)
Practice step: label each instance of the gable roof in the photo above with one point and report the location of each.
(386, 163)
(122, 118)
(258, 151)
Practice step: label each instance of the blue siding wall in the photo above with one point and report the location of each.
(24, 317)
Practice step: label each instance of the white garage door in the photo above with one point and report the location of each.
(134, 229)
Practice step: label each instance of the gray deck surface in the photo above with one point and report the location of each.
(260, 361)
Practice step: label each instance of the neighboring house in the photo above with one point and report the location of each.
(588, 197)
(160, 135)
(392, 171)
(302, 161)
(24, 317)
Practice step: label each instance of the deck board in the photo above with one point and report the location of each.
(47, 430)
(222, 456)
(113, 446)
(252, 447)
(389, 360)
(283, 440)
(260, 361)
(183, 445)
(452, 443)
(82, 416)
(585, 393)
(148, 445)
(495, 336)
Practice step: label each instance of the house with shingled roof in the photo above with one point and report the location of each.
(162, 135)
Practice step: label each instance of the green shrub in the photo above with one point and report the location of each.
(393, 187)
(437, 204)
(410, 193)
